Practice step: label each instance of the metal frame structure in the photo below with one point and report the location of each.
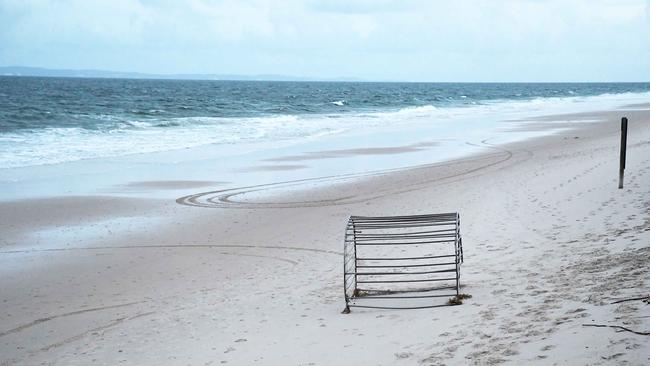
(401, 262)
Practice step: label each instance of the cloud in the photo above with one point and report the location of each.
(361, 6)
(380, 39)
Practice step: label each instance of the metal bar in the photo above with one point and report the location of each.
(449, 219)
(398, 225)
(407, 281)
(405, 217)
(404, 237)
(406, 258)
(413, 243)
(364, 235)
(452, 229)
(373, 297)
(399, 273)
(345, 283)
(457, 264)
(411, 290)
(409, 265)
(396, 308)
(355, 256)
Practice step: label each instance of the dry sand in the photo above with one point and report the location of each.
(253, 275)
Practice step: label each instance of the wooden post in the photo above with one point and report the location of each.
(621, 169)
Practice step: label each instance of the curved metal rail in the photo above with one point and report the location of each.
(401, 262)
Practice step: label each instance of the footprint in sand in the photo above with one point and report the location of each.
(403, 355)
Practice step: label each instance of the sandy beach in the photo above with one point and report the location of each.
(253, 275)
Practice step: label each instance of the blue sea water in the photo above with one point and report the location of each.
(53, 120)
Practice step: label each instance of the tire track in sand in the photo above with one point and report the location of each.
(180, 246)
(77, 312)
(175, 246)
(224, 198)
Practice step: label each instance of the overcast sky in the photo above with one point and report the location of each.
(428, 40)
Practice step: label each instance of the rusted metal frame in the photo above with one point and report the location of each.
(359, 237)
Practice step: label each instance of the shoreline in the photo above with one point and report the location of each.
(414, 138)
(263, 284)
(132, 199)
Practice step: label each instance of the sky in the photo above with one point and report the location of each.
(405, 40)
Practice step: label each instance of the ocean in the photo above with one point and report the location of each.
(55, 120)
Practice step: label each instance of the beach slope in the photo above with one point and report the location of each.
(241, 278)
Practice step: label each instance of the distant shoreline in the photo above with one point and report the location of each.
(23, 71)
(20, 71)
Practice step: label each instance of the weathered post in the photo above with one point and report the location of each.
(621, 168)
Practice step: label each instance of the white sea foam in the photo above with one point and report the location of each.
(56, 145)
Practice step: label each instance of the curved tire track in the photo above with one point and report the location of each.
(83, 311)
(77, 312)
(224, 198)
(174, 246)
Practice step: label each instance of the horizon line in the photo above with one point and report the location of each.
(137, 75)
